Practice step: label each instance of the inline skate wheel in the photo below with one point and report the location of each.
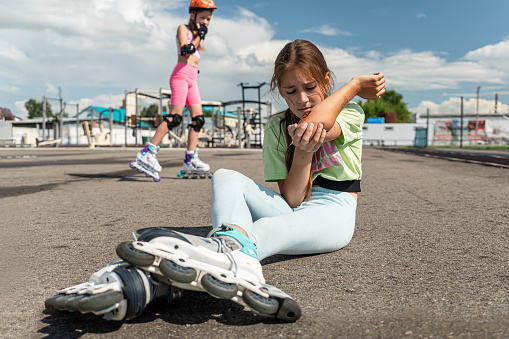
(60, 302)
(99, 302)
(127, 252)
(65, 302)
(131, 164)
(218, 288)
(259, 303)
(157, 178)
(72, 304)
(176, 272)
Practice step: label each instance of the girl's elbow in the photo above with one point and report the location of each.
(328, 125)
(290, 202)
(294, 205)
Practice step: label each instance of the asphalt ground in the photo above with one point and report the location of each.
(429, 257)
(497, 158)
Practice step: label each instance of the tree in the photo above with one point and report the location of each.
(150, 111)
(391, 101)
(34, 109)
(208, 112)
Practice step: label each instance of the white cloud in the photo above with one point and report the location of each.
(12, 90)
(453, 105)
(409, 70)
(98, 49)
(10, 52)
(421, 16)
(52, 89)
(103, 100)
(231, 57)
(326, 30)
(20, 109)
(426, 70)
(493, 56)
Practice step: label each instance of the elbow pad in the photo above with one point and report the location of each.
(187, 49)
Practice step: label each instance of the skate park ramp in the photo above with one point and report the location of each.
(429, 257)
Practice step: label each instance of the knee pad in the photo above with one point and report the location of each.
(200, 122)
(175, 121)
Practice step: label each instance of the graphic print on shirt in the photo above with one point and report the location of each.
(326, 156)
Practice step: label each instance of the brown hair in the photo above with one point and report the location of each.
(192, 23)
(305, 56)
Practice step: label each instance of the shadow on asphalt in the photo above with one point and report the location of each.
(194, 308)
(124, 176)
(121, 176)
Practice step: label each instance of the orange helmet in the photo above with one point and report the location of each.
(201, 4)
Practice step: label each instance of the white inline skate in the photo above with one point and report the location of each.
(117, 292)
(146, 162)
(224, 264)
(194, 168)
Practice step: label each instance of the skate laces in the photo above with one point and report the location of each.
(222, 243)
(247, 246)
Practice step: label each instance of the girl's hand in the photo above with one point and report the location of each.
(370, 86)
(202, 31)
(305, 138)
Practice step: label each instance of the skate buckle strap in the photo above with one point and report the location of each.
(153, 148)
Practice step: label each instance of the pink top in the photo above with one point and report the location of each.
(189, 39)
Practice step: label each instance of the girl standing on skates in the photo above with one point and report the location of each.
(184, 92)
(312, 150)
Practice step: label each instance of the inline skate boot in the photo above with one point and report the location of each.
(224, 265)
(194, 167)
(118, 291)
(146, 162)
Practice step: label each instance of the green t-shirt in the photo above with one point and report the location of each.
(338, 159)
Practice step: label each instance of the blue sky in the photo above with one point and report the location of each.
(432, 52)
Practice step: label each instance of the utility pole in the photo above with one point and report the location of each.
(44, 103)
(61, 122)
(427, 125)
(461, 125)
(477, 113)
(77, 124)
(496, 100)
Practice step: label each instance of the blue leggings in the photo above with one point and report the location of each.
(324, 224)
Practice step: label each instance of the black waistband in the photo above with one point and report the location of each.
(345, 186)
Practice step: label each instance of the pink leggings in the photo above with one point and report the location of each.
(184, 88)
